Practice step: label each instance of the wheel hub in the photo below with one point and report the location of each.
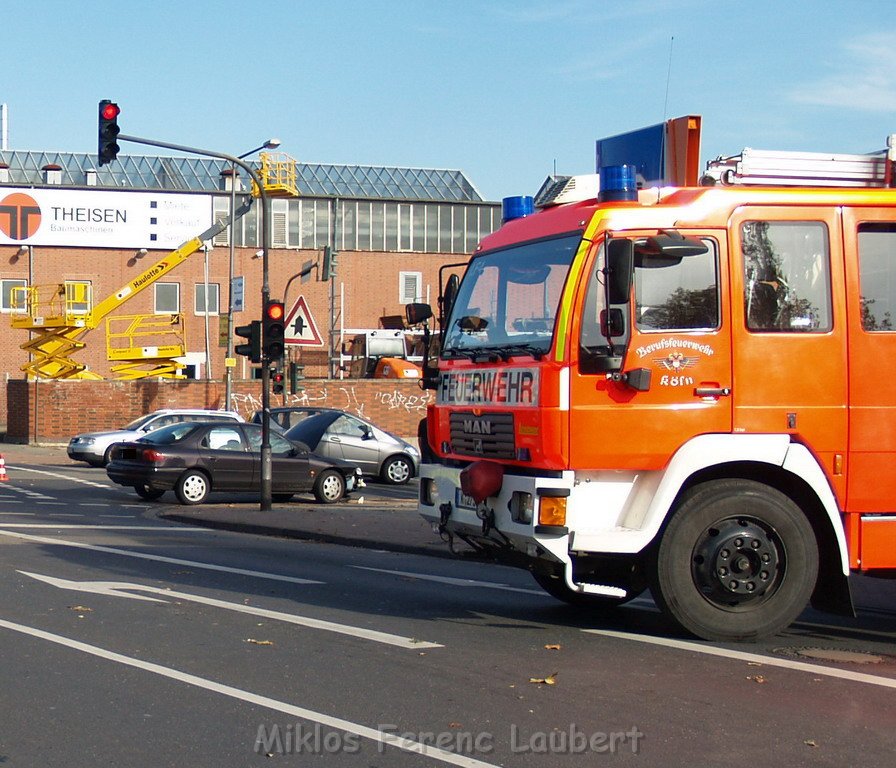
(737, 561)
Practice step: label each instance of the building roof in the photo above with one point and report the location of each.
(181, 174)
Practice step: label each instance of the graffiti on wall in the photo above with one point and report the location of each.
(342, 397)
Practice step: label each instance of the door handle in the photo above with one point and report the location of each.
(712, 391)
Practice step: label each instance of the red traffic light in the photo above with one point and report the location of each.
(109, 111)
(274, 310)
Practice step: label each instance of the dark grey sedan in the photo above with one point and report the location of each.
(194, 459)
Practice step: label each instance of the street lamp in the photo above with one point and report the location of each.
(228, 366)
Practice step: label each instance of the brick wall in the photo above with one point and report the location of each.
(53, 411)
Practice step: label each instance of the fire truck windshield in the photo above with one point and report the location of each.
(508, 299)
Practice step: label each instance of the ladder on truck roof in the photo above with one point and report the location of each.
(804, 169)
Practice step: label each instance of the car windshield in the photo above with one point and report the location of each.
(170, 434)
(509, 298)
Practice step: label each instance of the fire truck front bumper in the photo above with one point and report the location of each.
(524, 518)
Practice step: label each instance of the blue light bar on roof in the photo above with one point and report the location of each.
(618, 182)
(517, 207)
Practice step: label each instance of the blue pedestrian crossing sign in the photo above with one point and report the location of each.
(300, 328)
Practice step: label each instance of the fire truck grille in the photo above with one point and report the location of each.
(489, 435)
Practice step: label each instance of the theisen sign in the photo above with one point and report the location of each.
(101, 219)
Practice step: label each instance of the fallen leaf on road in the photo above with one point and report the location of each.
(810, 743)
(552, 647)
(259, 642)
(549, 680)
(756, 678)
(80, 608)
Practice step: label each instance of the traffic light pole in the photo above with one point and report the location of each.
(266, 465)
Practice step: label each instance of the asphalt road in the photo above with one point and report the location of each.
(136, 634)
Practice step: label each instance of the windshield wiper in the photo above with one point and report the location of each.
(524, 347)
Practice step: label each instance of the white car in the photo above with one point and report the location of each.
(95, 447)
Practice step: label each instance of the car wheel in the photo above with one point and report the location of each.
(193, 487)
(281, 498)
(330, 486)
(107, 456)
(150, 494)
(738, 561)
(397, 470)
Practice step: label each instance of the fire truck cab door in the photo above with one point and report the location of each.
(789, 325)
(679, 331)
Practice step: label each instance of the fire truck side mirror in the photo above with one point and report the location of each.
(612, 323)
(620, 260)
(637, 378)
(417, 313)
(449, 297)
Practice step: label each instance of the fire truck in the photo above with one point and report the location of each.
(682, 389)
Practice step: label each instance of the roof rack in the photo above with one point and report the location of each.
(804, 169)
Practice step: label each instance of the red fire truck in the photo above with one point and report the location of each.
(683, 389)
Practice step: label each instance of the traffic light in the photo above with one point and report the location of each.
(272, 335)
(107, 144)
(276, 381)
(296, 374)
(329, 265)
(252, 333)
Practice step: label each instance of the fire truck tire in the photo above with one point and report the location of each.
(737, 561)
(556, 587)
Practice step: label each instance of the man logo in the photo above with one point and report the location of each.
(19, 216)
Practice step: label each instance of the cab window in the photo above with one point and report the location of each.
(787, 276)
(677, 296)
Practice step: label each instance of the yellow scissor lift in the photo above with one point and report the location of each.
(140, 345)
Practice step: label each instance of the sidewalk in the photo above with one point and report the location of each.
(369, 518)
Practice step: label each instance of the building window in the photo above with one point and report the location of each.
(212, 299)
(167, 298)
(10, 300)
(410, 287)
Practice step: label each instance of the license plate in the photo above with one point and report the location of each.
(462, 501)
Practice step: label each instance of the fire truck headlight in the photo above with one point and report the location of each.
(552, 510)
(521, 507)
(427, 491)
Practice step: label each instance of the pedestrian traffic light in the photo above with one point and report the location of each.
(272, 335)
(329, 265)
(107, 144)
(252, 333)
(276, 381)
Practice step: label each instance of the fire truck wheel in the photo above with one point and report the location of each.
(737, 561)
(556, 587)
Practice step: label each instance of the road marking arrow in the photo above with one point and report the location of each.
(114, 589)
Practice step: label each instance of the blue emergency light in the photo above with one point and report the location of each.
(516, 207)
(617, 182)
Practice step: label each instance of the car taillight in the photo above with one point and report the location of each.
(152, 455)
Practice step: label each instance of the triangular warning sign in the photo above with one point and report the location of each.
(300, 327)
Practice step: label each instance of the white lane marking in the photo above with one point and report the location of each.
(454, 582)
(96, 527)
(115, 589)
(17, 514)
(156, 558)
(328, 721)
(753, 658)
(61, 476)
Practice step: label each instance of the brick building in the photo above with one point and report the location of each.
(97, 229)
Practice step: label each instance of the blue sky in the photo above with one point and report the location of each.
(505, 91)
